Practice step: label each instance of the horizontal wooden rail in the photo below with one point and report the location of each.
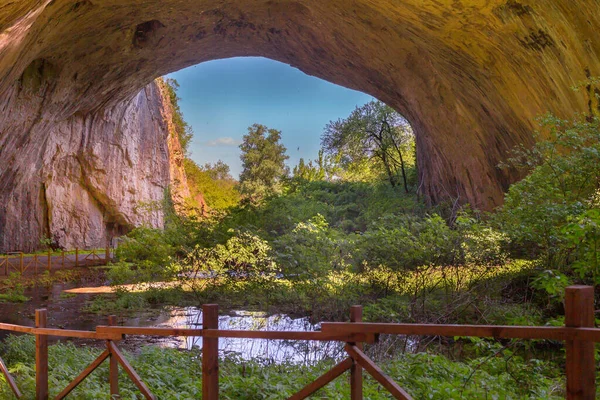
(242, 334)
(491, 331)
(60, 332)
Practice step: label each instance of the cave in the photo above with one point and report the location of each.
(471, 76)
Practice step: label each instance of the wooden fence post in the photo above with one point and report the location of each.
(76, 257)
(581, 366)
(21, 263)
(210, 354)
(114, 366)
(49, 260)
(356, 379)
(35, 263)
(107, 254)
(41, 357)
(63, 259)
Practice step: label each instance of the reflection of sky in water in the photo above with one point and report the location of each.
(294, 351)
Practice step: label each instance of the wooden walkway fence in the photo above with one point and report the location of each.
(579, 334)
(35, 263)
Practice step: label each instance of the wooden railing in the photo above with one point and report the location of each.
(34, 263)
(578, 333)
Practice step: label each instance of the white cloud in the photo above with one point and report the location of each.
(223, 141)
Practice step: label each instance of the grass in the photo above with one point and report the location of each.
(174, 374)
(12, 297)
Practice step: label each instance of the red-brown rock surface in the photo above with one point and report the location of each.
(470, 75)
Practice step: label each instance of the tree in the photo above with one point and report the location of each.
(182, 129)
(213, 183)
(311, 171)
(263, 162)
(373, 132)
(218, 171)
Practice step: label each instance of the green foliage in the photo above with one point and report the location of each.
(407, 242)
(144, 255)
(552, 282)
(312, 249)
(373, 137)
(213, 183)
(311, 172)
(13, 289)
(554, 210)
(174, 374)
(582, 234)
(565, 169)
(263, 163)
(243, 256)
(481, 244)
(182, 129)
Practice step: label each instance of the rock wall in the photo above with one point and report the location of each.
(470, 75)
(86, 178)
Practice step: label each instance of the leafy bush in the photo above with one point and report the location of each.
(582, 234)
(144, 255)
(407, 242)
(481, 244)
(244, 255)
(562, 184)
(311, 249)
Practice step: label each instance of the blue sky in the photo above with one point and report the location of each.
(220, 99)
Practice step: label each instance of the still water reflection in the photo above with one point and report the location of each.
(67, 312)
(278, 351)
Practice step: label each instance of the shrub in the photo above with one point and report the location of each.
(244, 255)
(407, 242)
(311, 249)
(481, 244)
(562, 185)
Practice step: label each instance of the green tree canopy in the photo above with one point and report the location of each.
(213, 183)
(182, 128)
(311, 171)
(263, 163)
(373, 133)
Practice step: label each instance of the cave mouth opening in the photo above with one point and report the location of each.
(470, 79)
(221, 99)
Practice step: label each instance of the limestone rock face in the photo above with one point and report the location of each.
(470, 75)
(88, 177)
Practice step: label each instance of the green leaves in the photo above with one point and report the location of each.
(583, 235)
(374, 140)
(263, 163)
(562, 185)
(213, 183)
(173, 374)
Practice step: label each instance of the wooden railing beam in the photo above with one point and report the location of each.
(580, 365)
(41, 357)
(356, 378)
(135, 378)
(10, 380)
(491, 331)
(377, 373)
(224, 333)
(323, 380)
(210, 353)
(113, 374)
